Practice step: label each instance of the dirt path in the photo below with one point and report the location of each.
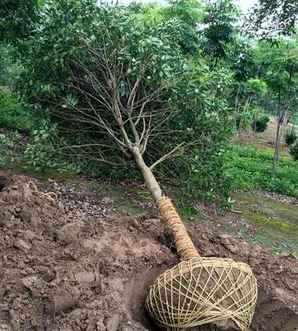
(71, 261)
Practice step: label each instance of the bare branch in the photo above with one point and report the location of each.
(132, 96)
(167, 156)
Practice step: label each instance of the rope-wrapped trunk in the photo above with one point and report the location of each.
(183, 242)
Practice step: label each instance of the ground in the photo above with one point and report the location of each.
(266, 139)
(80, 255)
(264, 217)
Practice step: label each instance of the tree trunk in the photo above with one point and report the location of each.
(276, 146)
(148, 176)
(183, 242)
(277, 139)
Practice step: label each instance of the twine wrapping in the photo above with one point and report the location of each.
(199, 290)
(185, 247)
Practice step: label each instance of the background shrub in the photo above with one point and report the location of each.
(43, 152)
(294, 152)
(260, 124)
(290, 137)
(14, 114)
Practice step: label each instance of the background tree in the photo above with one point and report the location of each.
(279, 67)
(218, 28)
(272, 17)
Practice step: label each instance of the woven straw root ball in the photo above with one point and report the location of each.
(200, 291)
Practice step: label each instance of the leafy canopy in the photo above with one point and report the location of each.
(158, 47)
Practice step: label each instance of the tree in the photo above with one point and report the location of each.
(248, 98)
(135, 90)
(248, 89)
(279, 67)
(218, 29)
(271, 17)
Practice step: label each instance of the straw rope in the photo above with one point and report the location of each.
(185, 247)
(200, 290)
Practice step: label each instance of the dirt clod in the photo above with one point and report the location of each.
(66, 299)
(113, 322)
(69, 233)
(22, 245)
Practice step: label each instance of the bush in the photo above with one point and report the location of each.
(8, 148)
(243, 120)
(13, 114)
(260, 124)
(10, 67)
(290, 137)
(43, 152)
(294, 152)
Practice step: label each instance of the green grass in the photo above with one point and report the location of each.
(275, 222)
(251, 169)
(294, 119)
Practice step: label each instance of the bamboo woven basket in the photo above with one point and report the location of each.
(200, 290)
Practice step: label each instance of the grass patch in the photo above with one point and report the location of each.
(276, 224)
(294, 119)
(251, 169)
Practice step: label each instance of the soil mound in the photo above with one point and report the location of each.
(63, 268)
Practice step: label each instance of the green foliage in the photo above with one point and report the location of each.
(251, 117)
(294, 118)
(57, 40)
(43, 152)
(290, 137)
(260, 124)
(278, 66)
(205, 121)
(156, 44)
(188, 11)
(67, 26)
(241, 59)
(207, 180)
(271, 17)
(17, 18)
(8, 148)
(14, 114)
(294, 152)
(219, 28)
(257, 86)
(251, 169)
(199, 77)
(10, 68)
(243, 120)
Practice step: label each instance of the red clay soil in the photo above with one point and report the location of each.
(62, 268)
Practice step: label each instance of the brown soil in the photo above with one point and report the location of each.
(70, 264)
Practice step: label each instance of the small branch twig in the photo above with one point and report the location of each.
(167, 156)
